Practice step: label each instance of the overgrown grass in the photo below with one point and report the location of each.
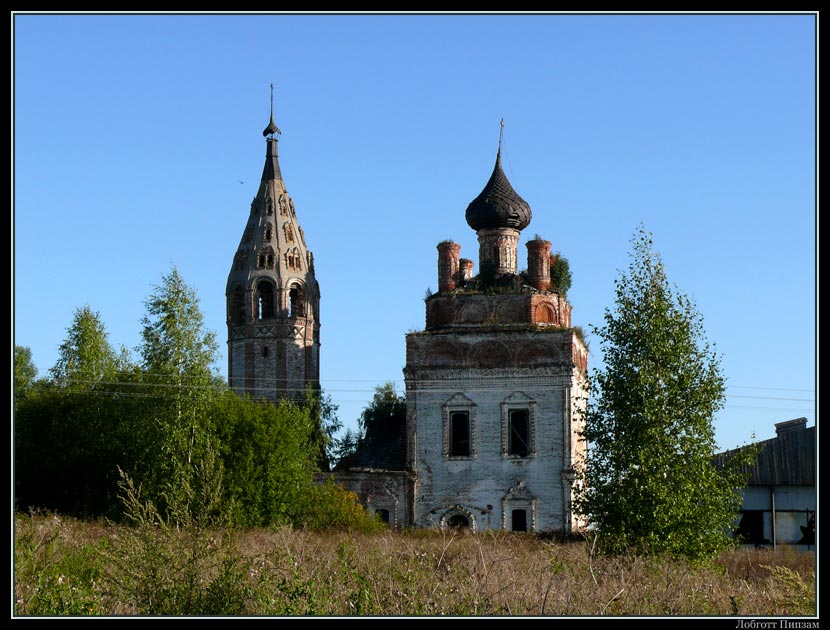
(65, 566)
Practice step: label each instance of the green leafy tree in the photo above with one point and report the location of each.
(345, 445)
(85, 357)
(25, 371)
(177, 357)
(560, 274)
(381, 423)
(68, 440)
(268, 455)
(386, 406)
(649, 484)
(323, 413)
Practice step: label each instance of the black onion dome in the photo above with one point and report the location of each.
(498, 205)
(271, 129)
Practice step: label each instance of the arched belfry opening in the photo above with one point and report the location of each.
(296, 300)
(264, 300)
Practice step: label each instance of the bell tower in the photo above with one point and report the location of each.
(272, 295)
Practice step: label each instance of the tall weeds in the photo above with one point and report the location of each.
(157, 567)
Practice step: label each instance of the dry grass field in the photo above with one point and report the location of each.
(65, 566)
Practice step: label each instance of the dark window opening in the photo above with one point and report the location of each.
(519, 518)
(751, 528)
(458, 521)
(296, 302)
(518, 437)
(237, 306)
(808, 532)
(268, 233)
(383, 515)
(459, 434)
(496, 257)
(265, 351)
(265, 300)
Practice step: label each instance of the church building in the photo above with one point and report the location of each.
(495, 386)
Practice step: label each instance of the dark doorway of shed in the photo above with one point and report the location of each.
(383, 515)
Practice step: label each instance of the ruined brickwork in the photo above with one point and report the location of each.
(272, 296)
(386, 493)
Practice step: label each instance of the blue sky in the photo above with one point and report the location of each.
(137, 145)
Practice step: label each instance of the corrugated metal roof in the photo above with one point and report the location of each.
(786, 460)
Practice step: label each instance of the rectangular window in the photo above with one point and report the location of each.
(519, 518)
(751, 527)
(459, 434)
(518, 436)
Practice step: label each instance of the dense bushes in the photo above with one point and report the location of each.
(160, 421)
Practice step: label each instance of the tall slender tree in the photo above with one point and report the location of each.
(649, 484)
(177, 356)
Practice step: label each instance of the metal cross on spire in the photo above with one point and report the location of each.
(271, 129)
(501, 132)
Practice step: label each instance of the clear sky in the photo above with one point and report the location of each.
(137, 145)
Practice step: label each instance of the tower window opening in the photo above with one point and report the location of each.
(268, 233)
(296, 302)
(265, 300)
(264, 351)
(237, 306)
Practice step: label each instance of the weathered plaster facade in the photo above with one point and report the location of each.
(272, 295)
(489, 375)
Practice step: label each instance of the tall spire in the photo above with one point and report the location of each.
(271, 129)
(272, 165)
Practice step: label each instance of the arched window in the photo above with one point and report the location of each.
(267, 233)
(264, 300)
(296, 301)
(458, 521)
